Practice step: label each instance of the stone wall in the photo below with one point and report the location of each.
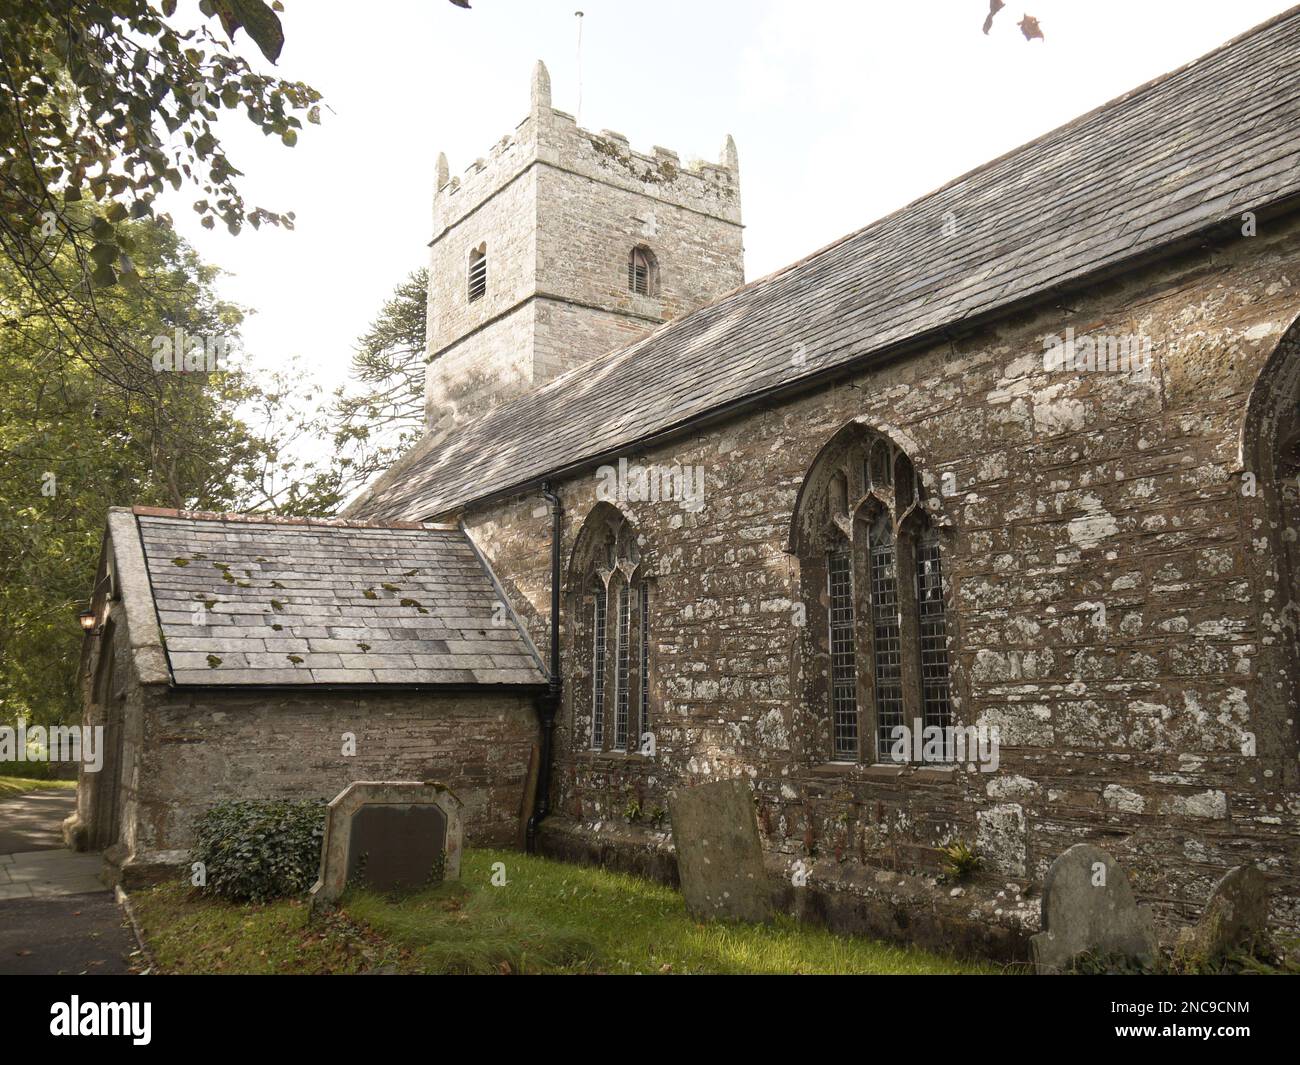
(560, 209)
(1162, 728)
(189, 751)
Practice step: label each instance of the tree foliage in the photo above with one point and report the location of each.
(381, 412)
(106, 104)
(73, 444)
(102, 106)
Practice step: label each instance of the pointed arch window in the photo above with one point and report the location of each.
(873, 587)
(614, 707)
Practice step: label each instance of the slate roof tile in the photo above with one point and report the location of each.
(295, 610)
(1200, 145)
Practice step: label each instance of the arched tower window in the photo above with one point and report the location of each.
(478, 273)
(642, 272)
(612, 706)
(876, 607)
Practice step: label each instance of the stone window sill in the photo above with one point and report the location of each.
(885, 771)
(613, 757)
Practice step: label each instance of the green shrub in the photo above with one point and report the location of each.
(253, 851)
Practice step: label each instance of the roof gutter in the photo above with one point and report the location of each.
(548, 703)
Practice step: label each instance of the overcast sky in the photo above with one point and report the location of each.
(842, 112)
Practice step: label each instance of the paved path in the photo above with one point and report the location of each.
(31, 822)
(56, 915)
(43, 874)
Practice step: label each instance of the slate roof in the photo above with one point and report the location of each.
(1197, 146)
(292, 602)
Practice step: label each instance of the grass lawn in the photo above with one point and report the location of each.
(17, 785)
(550, 917)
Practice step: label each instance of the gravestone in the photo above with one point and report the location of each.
(719, 854)
(1235, 918)
(395, 837)
(1088, 907)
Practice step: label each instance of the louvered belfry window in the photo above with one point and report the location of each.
(478, 273)
(640, 272)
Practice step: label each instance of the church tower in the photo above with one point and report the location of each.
(561, 245)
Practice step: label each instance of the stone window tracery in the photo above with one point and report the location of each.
(612, 705)
(877, 632)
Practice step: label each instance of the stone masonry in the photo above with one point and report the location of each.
(1117, 543)
(1163, 732)
(384, 688)
(559, 210)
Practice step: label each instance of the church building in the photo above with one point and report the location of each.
(977, 527)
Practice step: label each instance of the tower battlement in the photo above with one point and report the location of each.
(562, 243)
(553, 137)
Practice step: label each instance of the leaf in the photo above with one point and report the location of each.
(104, 254)
(994, 7)
(1030, 28)
(104, 276)
(258, 20)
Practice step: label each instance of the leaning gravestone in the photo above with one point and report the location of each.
(392, 836)
(1088, 908)
(1235, 917)
(719, 854)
